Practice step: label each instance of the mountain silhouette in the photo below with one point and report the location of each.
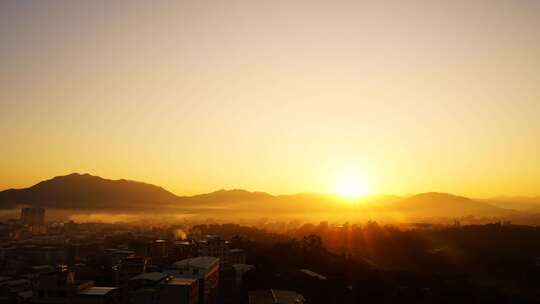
(85, 192)
(234, 195)
(435, 204)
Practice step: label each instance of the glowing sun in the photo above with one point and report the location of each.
(352, 186)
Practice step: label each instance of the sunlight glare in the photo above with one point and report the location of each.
(352, 186)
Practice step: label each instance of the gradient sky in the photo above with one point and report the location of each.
(277, 96)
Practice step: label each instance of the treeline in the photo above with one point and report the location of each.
(492, 263)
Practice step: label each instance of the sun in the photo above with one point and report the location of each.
(352, 186)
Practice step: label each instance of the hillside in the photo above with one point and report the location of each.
(87, 193)
(434, 204)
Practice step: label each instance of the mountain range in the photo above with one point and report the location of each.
(88, 193)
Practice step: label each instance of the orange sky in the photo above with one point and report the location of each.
(278, 96)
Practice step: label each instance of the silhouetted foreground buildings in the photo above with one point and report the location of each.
(61, 287)
(102, 263)
(208, 264)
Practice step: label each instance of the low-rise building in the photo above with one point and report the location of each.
(183, 250)
(159, 249)
(132, 266)
(236, 256)
(180, 291)
(239, 271)
(206, 270)
(214, 246)
(97, 295)
(160, 288)
(62, 288)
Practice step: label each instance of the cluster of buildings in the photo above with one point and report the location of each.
(104, 264)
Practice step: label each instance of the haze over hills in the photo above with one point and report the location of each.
(87, 193)
(525, 204)
(442, 204)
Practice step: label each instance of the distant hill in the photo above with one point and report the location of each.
(525, 204)
(225, 196)
(434, 204)
(87, 193)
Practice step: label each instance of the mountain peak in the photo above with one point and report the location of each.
(437, 204)
(438, 195)
(232, 195)
(85, 191)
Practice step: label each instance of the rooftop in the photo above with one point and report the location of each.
(182, 243)
(119, 251)
(204, 262)
(16, 282)
(43, 267)
(313, 274)
(181, 281)
(151, 276)
(97, 291)
(243, 267)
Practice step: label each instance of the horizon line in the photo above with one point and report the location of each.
(372, 195)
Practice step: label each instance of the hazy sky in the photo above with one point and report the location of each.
(277, 96)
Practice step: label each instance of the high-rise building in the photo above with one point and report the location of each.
(158, 249)
(33, 216)
(214, 246)
(236, 256)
